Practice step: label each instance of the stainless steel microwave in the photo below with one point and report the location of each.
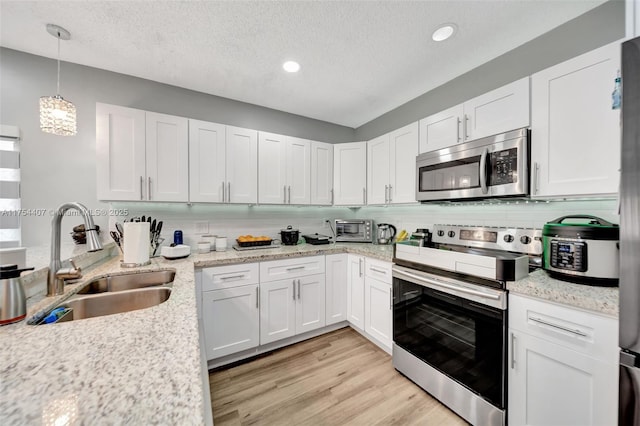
(495, 166)
(354, 231)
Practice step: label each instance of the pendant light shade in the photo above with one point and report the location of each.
(57, 115)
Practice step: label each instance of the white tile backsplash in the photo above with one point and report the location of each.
(235, 220)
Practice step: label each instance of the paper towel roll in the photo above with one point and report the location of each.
(136, 242)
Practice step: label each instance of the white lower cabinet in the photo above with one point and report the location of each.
(563, 366)
(310, 303)
(277, 310)
(355, 291)
(377, 311)
(336, 288)
(231, 320)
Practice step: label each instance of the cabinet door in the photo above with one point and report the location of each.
(355, 292)
(298, 166)
(378, 170)
(441, 130)
(207, 155)
(501, 110)
(277, 310)
(272, 171)
(167, 147)
(553, 385)
(403, 148)
(242, 165)
(377, 310)
(230, 318)
(120, 153)
(321, 173)
(336, 288)
(310, 306)
(350, 174)
(575, 134)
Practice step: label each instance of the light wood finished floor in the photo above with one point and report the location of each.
(336, 379)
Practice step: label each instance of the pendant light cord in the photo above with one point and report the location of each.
(58, 92)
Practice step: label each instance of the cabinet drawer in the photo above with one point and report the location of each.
(589, 333)
(378, 269)
(229, 276)
(291, 268)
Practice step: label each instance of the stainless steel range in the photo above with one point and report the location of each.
(450, 314)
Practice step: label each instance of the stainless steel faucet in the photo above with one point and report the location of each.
(55, 281)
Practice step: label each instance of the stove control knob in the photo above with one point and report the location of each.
(508, 238)
(440, 233)
(525, 239)
(451, 234)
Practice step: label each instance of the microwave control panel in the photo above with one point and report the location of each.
(504, 167)
(567, 255)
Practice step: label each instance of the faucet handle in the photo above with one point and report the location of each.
(72, 273)
(73, 264)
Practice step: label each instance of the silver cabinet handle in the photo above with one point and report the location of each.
(559, 327)
(299, 290)
(289, 194)
(536, 177)
(390, 298)
(483, 171)
(458, 128)
(390, 193)
(141, 185)
(466, 127)
(258, 297)
(285, 194)
(364, 195)
(294, 268)
(224, 192)
(293, 287)
(513, 351)
(386, 192)
(149, 188)
(382, 271)
(228, 192)
(231, 277)
(360, 266)
(331, 196)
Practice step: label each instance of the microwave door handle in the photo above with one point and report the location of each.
(483, 171)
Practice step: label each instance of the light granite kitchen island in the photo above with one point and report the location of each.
(139, 367)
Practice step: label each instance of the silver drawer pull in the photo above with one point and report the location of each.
(295, 268)
(230, 277)
(559, 327)
(382, 271)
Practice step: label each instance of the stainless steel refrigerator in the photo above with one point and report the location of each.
(629, 402)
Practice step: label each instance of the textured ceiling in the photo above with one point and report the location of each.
(359, 59)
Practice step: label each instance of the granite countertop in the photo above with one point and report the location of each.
(539, 284)
(140, 367)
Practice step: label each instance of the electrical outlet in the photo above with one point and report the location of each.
(202, 227)
(325, 223)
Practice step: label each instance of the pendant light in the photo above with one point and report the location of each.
(57, 115)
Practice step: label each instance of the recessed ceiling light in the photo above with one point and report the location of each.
(291, 66)
(444, 32)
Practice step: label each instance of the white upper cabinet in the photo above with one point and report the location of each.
(378, 170)
(242, 165)
(575, 133)
(321, 173)
(503, 109)
(391, 166)
(403, 149)
(207, 162)
(141, 156)
(497, 111)
(120, 153)
(284, 174)
(441, 130)
(350, 174)
(222, 163)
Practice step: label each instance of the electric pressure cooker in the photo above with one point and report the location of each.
(585, 252)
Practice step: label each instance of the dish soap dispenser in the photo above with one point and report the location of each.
(617, 93)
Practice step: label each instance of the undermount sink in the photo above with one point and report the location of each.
(97, 305)
(114, 283)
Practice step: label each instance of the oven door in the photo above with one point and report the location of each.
(457, 328)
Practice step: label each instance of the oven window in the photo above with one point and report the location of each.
(465, 340)
(459, 174)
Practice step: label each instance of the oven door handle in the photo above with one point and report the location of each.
(426, 280)
(483, 171)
